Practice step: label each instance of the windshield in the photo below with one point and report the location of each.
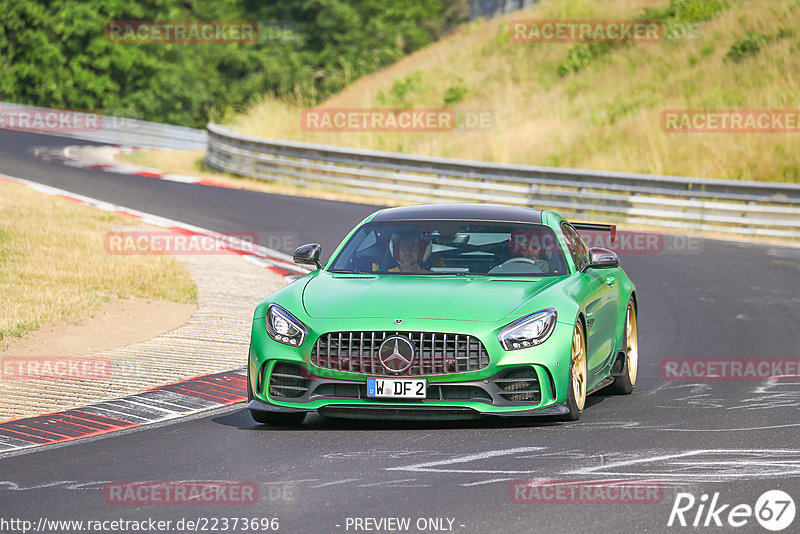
(452, 247)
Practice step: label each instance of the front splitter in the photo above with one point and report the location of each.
(406, 413)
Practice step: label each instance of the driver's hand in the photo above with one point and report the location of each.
(542, 265)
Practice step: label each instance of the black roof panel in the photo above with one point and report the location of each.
(461, 211)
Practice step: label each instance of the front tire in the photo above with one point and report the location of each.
(576, 395)
(624, 384)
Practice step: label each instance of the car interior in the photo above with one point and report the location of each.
(469, 248)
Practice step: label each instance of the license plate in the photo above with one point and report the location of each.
(396, 388)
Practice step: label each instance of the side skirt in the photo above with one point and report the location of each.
(607, 381)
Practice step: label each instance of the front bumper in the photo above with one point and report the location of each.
(464, 395)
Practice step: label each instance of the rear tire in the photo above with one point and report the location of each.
(624, 384)
(278, 419)
(576, 394)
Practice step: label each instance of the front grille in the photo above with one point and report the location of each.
(288, 380)
(435, 353)
(435, 392)
(519, 385)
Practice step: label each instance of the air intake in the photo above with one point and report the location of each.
(519, 385)
(288, 380)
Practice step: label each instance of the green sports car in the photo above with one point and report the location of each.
(447, 311)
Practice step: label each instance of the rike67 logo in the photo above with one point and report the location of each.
(774, 510)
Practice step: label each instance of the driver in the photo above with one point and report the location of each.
(534, 246)
(409, 254)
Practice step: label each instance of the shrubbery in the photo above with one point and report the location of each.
(55, 54)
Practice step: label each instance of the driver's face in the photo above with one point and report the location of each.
(532, 252)
(531, 245)
(408, 252)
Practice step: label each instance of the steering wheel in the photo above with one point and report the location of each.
(541, 266)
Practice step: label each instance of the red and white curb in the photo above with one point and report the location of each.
(104, 158)
(161, 403)
(153, 406)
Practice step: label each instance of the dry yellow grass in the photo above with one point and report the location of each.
(606, 116)
(53, 265)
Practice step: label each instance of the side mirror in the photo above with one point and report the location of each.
(308, 254)
(600, 258)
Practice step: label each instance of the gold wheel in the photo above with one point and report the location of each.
(632, 340)
(579, 367)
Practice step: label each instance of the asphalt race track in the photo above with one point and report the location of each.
(698, 299)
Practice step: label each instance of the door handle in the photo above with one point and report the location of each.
(610, 281)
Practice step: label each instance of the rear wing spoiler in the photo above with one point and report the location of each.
(598, 228)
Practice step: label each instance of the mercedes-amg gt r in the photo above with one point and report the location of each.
(447, 311)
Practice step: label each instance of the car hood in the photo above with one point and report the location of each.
(468, 298)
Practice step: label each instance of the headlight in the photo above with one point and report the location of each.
(529, 331)
(284, 327)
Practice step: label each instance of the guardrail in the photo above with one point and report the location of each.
(490, 8)
(101, 128)
(727, 206)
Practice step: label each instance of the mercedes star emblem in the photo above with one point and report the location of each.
(396, 354)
